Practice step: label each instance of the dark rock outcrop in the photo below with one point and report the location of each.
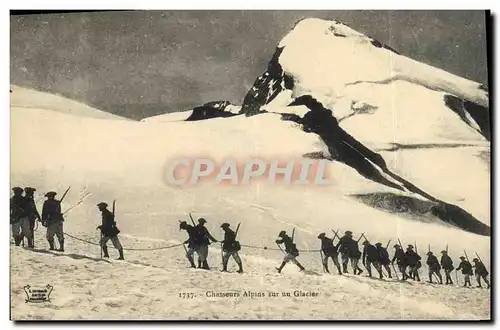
(215, 109)
(267, 86)
(480, 114)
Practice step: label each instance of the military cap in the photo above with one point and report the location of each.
(321, 235)
(444, 251)
(366, 242)
(202, 221)
(225, 225)
(410, 246)
(182, 224)
(50, 194)
(429, 253)
(102, 204)
(17, 189)
(475, 260)
(378, 244)
(396, 246)
(282, 233)
(29, 190)
(462, 257)
(348, 232)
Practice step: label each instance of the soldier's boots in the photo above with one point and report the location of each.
(325, 265)
(121, 255)
(344, 269)
(359, 271)
(300, 266)
(224, 267)
(280, 268)
(338, 268)
(105, 252)
(61, 246)
(51, 246)
(380, 275)
(240, 265)
(389, 272)
(30, 243)
(199, 263)
(191, 261)
(18, 240)
(205, 265)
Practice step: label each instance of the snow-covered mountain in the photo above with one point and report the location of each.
(362, 97)
(407, 157)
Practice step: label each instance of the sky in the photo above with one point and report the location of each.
(138, 64)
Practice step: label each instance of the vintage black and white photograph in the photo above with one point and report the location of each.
(270, 165)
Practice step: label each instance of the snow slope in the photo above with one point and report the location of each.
(147, 285)
(21, 97)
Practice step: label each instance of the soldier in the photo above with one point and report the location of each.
(52, 218)
(230, 247)
(466, 268)
(329, 251)
(193, 244)
(413, 260)
(447, 265)
(384, 258)
(371, 257)
(33, 214)
(349, 249)
(291, 251)
(400, 257)
(481, 272)
(18, 213)
(204, 237)
(434, 267)
(109, 231)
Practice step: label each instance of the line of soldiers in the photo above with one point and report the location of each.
(24, 214)
(378, 257)
(200, 238)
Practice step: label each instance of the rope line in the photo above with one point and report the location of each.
(175, 245)
(126, 249)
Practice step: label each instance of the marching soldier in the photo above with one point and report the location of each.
(412, 259)
(33, 214)
(371, 257)
(466, 268)
(384, 258)
(230, 247)
(17, 214)
(400, 257)
(291, 251)
(193, 244)
(329, 251)
(204, 238)
(447, 265)
(109, 231)
(434, 267)
(349, 249)
(481, 272)
(52, 218)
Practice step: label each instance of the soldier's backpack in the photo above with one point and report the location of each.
(236, 246)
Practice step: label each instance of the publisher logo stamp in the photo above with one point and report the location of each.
(38, 295)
